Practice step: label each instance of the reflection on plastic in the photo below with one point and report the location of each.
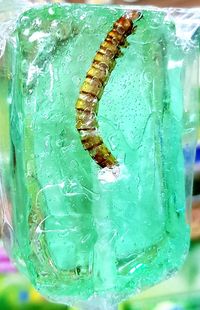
(75, 236)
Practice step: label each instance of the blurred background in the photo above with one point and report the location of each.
(161, 3)
(182, 292)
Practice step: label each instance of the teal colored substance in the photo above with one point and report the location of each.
(77, 235)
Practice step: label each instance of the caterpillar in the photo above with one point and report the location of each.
(93, 86)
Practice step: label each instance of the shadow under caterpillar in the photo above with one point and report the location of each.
(93, 86)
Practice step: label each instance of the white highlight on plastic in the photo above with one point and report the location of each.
(185, 21)
(38, 35)
(172, 64)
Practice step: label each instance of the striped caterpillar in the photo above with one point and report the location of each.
(93, 86)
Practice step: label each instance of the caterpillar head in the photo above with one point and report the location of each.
(125, 23)
(133, 15)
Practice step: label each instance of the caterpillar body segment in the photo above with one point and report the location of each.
(93, 86)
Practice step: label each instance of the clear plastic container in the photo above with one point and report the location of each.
(84, 226)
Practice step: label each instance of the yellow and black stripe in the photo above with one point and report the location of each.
(93, 86)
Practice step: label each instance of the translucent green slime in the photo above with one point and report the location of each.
(77, 235)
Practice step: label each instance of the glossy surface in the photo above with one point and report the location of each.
(77, 229)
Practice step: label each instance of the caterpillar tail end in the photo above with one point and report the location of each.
(109, 175)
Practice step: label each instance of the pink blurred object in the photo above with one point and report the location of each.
(5, 263)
